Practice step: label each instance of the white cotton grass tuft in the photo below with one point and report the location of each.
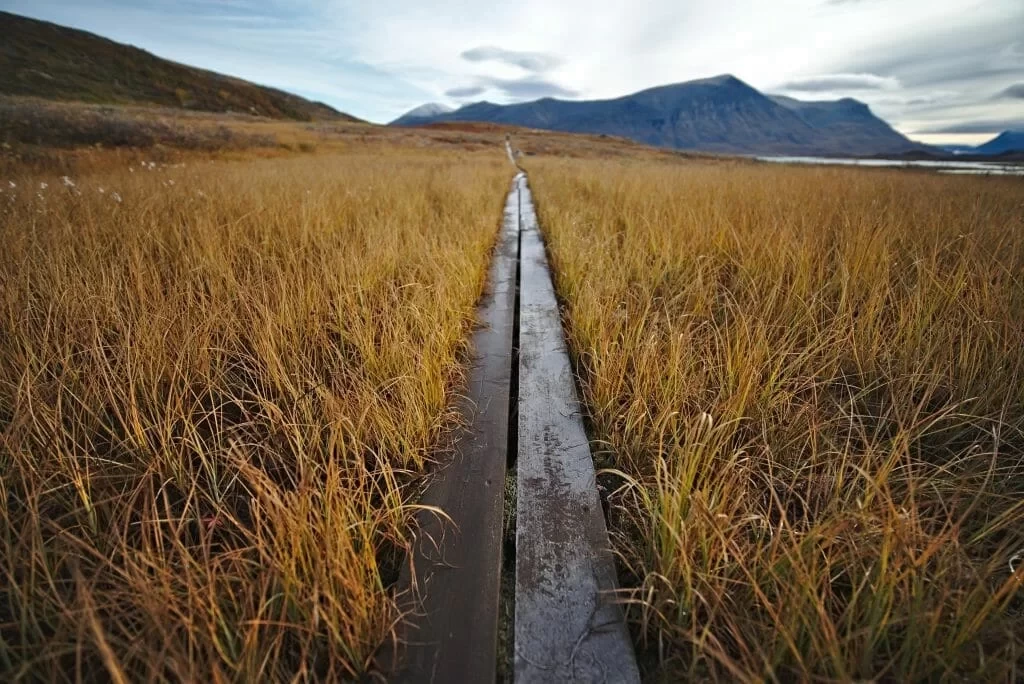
(43, 186)
(68, 183)
(116, 196)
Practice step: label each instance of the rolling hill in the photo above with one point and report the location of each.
(54, 62)
(720, 114)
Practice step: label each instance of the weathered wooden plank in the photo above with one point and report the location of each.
(453, 587)
(567, 625)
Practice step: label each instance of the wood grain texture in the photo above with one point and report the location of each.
(567, 624)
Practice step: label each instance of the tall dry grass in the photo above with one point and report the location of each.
(813, 383)
(216, 384)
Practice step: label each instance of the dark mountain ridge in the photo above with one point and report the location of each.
(719, 114)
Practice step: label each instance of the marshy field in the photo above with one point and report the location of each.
(808, 384)
(223, 380)
(218, 383)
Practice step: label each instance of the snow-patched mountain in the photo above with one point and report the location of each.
(720, 114)
(421, 114)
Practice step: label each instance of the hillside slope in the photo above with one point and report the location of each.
(45, 60)
(851, 122)
(720, 114)
(1005, 142)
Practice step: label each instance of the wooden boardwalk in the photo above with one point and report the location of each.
(452, 594)
(567, 624)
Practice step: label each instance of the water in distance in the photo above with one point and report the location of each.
(957, 167)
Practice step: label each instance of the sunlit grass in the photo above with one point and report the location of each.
(813, 383)
(216, 384)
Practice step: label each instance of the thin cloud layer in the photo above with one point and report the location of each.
(514, 89)
(466, 91)
(529, 88)
(841, 82)
(531, 61)
(985, 127)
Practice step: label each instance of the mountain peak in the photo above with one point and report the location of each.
(424, 111)
(429, 109)
(721, 79)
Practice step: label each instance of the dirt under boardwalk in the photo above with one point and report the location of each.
(567, 625)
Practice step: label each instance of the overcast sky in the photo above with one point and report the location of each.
(938, 70)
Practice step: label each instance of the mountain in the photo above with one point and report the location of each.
(421, 114)
(851, 123)
(1007, 141)
(45, 60)
(720, 114)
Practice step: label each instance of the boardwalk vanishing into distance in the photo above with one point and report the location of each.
(522, 411)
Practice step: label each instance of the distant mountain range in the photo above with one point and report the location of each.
(45, 60)
(720, 114)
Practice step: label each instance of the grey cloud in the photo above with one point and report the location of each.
(954, 57)
(1014, 92)
(988, 126)
(920, 101)
(517, 89)
(529, 88)
(967, 66)
(465, 91)
(834, 82)
(531, 61)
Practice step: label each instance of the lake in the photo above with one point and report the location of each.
(956, 167)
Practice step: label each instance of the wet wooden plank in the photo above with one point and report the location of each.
(453, 586)
(567, 625)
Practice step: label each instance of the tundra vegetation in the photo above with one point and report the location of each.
(225, 367)
(218, 385)
(809, 386)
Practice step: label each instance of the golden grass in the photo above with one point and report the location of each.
(216, 384)
(812, 381)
